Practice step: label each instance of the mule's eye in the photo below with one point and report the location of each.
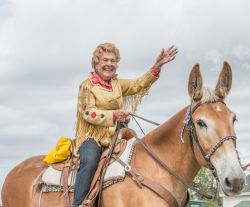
(201, 124)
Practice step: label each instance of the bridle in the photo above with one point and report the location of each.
(189, 125)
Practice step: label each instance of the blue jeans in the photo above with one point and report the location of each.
(90, 154)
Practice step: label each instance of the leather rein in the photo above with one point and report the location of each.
(189, 125)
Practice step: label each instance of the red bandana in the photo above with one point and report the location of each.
(96, 79)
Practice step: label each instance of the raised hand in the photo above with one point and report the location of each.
(165, 56)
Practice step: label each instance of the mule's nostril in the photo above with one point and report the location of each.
(227, 182)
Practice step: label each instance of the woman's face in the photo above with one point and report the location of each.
(107, 65)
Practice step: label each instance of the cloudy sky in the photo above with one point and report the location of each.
(46, 48)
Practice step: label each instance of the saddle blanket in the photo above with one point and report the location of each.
(114, 173)
(52, 177)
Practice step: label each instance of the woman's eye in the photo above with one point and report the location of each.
(201, 124)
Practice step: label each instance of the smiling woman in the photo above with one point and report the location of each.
(104, 100)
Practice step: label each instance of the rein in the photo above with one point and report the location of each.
(189, 125)
(161, 163)
(109, 156)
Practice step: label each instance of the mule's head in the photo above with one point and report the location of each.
(213, 124)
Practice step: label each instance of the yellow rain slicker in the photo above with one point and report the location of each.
(60, 152)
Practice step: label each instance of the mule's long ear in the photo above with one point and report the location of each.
(195, 83)
(224, 82)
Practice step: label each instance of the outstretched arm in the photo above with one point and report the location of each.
(133, 86)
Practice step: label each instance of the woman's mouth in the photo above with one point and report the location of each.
(108, 68)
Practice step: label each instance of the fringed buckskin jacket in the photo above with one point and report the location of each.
(97, 101)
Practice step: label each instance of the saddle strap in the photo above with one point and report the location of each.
(65, 175)
(153, 186)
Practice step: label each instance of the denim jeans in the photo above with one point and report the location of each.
(90, 154)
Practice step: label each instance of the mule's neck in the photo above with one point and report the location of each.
(166, 143)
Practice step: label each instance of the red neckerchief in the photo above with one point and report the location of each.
(97, 79)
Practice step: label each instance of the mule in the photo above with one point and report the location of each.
(201, 134)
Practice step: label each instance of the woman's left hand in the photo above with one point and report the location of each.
(165, 56)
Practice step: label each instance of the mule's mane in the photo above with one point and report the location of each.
(160, 131)
(208, 96)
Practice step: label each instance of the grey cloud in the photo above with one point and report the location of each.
(46, 48)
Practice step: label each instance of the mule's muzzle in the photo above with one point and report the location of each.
(234, 185)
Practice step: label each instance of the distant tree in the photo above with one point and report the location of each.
(206, 182)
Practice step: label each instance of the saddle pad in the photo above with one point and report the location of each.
(53, 177)
(115, 171)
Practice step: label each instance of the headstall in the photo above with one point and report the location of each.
(189, 125)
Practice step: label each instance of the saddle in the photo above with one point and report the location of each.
(61, 176)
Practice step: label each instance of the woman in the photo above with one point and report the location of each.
(103, 101)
